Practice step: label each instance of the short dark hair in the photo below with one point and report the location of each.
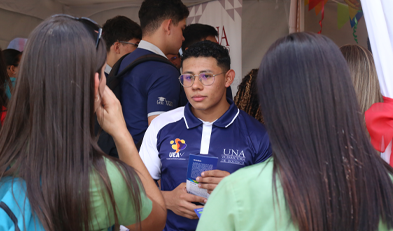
(120, 28)
(11, 57)
(197, 32)
(154, 12)
(207, 49)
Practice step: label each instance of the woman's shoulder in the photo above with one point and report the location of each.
(255, 181)
(261, 173)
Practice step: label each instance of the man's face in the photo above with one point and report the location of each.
(175, 59)
(206, 98)
(126, 48)
(176, 39)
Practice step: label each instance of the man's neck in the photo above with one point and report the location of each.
(212, 114)
(156, 41)
(110, 59)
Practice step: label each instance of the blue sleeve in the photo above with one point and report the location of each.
(164, 93)
(264, 150)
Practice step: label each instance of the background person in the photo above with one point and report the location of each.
(48, 142)
(363, 74)
(324, 174)
(122, 36)
(246, 98)
(4, 78)
(152, 87)
(175, 59)
(12, 59)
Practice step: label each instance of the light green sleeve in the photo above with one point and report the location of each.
(221, 211)
(104, 218)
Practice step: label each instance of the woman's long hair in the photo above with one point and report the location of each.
(246, 98)
(48, 138)
(4, 79)
(363, 74)
(331, 176)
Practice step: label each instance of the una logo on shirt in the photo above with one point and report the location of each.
(232, 156)
(177, 145)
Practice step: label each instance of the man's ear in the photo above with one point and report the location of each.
(167, 25)
(11, 68)
(229, 77)
(116, 47)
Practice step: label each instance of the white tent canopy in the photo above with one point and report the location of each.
(263, 21)
(42, 9)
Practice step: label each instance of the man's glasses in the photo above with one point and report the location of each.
(135, 44)
(206, 78)
(88, 22)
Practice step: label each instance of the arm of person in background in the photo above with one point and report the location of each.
(110, 117)
(164, 93)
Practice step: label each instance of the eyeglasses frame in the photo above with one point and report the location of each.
(129, 43)
(199, 77)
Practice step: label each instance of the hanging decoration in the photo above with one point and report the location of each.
(354, 32)
(351, 11)
(319, 6)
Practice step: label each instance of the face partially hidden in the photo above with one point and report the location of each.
(175, 59)
(211, 38)
(207, 100)
(176, 37)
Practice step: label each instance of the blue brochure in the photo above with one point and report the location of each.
(199, 212)
(196, 165)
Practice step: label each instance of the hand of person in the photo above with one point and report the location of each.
(109, 112)
(180, 202)
(210, 179)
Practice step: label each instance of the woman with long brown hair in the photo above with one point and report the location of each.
(47, 140)
(324, 174)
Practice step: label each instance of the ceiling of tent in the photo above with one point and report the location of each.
(42, 9)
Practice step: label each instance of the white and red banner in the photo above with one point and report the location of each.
(226, 17)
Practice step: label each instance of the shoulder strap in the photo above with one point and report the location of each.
(115, 77)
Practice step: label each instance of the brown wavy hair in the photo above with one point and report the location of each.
(246, 98)
(48, 136)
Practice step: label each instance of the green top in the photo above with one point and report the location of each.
(103, 219)
(244, 201)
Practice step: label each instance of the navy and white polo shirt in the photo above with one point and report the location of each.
(236, 138)
(149, 89)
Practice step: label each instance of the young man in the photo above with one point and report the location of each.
(152, 88)
(122, 36)
(200, 32)
(210, 124)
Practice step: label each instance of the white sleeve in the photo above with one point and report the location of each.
(149, 152)
(379, 21)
